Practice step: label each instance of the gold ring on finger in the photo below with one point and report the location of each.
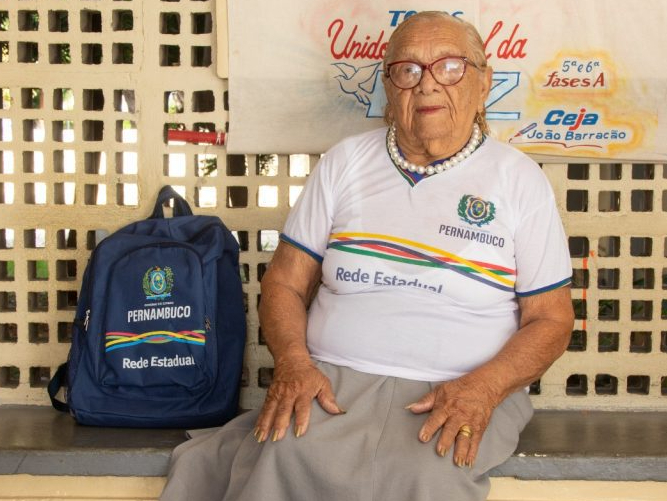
(465, 431)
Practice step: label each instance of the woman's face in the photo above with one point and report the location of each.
(431, 111)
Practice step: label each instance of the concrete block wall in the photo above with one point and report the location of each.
(89, 90)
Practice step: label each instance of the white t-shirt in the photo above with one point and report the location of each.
(421, 281)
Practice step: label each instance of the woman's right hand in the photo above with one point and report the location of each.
(294, 386)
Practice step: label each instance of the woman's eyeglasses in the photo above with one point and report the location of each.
(446, 71)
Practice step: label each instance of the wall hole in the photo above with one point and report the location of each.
(609, 201)
(608, 341)
(237, 196)
(66, 239)
(577, 341)
(32, 98)
(170, 23)
(93, 130)
(638, 385)
(38, 332)
(203, 101)
(65, 332)
(576, 385)
(609, 246)
(643, 278)
(8, 333)
(640, 342)
(93, 99)
(40, 377)
(122, 20)
(577, 201)
(38, 270)
(27, 52)
(10, 376)
(7, 271)
(242, 239)
(122, 53)
(265, 377)
(7, 301)
(577, 171)
(608, 309)
(641, 310)
(66, 269)
(38, 301)
(28, 20)
(606, 384)
(608, 278)
(58, 21)
(95, 162)
(201, 56)
(202, 22)
(641, 200)
(34, 238)
(124, 100)
(60, 53)
(91, 21)
(579, 306)
(170, 55)
(641, 246)
(237, 165)
(610, 172)
(643, 171)
(580, 279)
(63, 99)
(67, 300)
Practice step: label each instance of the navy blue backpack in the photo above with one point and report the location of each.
(160, 326)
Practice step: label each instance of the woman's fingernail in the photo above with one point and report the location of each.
(298, 431)
(274, 437)
(459, 462)
(409, 406)
(341, 411)
(423, 437)
(260, 436)
(442, 451)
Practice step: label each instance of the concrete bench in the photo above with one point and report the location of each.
(556, 446)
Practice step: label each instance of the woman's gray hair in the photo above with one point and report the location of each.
(474, 42)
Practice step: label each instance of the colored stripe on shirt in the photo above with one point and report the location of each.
(399, 249)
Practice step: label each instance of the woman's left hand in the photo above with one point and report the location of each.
(452, 405)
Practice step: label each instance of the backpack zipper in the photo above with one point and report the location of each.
(86, 320)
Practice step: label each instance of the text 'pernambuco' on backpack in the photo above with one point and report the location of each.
(160, 326)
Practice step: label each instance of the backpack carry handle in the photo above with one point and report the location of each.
(181, 206)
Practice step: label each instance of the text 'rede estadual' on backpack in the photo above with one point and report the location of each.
(160, 326)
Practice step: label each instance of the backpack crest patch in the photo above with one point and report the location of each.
(158, 282)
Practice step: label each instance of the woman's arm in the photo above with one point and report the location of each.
(543, 335)
(287, 289)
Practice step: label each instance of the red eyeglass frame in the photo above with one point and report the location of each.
(428, 67)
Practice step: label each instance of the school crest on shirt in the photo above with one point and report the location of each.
(473, 210)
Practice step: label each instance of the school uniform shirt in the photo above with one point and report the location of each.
(421, 275)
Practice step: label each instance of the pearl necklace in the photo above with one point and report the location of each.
(474, 141)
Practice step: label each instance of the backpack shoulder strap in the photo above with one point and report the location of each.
(57, 382)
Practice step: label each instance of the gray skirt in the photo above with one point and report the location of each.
(371, 453)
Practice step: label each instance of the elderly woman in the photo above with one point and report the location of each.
(420, 285)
